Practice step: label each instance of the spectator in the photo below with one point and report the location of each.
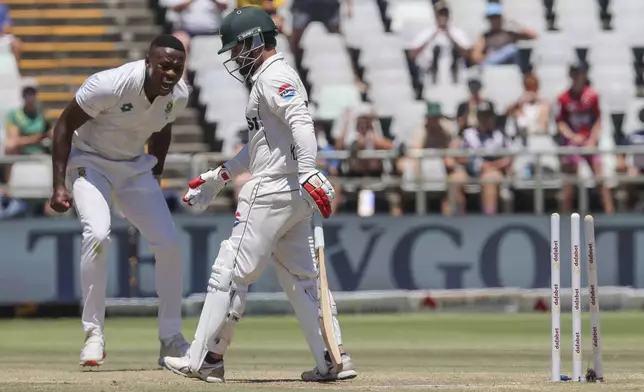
(435, 134)
(192, 18)
(361, 131)
(441, 40)
(270, 6)
(466, 113)
(490, 168)
(498, 45)
(307, 11)
(6, 39)
(27, 131)
(531, 113)
(579, 125)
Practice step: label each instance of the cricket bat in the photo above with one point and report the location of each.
(324, 301)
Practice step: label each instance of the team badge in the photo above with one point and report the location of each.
(168, 107)
(237, 218)
(286, 91)
(81, 172)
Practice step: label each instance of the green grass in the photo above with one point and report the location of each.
(446, 352)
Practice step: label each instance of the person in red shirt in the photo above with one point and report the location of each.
(579, 124)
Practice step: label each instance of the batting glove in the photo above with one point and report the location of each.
(202, 189)
(318, 191)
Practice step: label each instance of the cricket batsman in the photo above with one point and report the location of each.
(275, 207)
(99, 158)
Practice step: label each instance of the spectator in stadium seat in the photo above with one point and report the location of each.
(579, 124)
(530, 113)
(498, 45)
(435, 134)
(324, 11)
(6, 39)
(361, 131)
(484, 136)
(466, 112)
(270, 6)
(27, 130)
(192, 18)
(443, 39)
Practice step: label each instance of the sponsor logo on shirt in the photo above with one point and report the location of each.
(286, 91)
(237, 218)
(81, 172)
(168, 107)
(126, 107)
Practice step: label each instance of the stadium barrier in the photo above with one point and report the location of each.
(539, 182)
(507, 300)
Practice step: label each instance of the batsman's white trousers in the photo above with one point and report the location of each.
(95, 183)
(266, 224)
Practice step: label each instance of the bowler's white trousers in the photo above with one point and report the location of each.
(97, 182)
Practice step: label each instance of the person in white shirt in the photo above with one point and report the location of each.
(274, 210)
(444, 38)
(99, 160)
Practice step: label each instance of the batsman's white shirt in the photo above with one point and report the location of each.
(281, 141)
(108, 164)
(272, 216)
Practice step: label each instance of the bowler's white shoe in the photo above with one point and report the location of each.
(209, 372)
(93, 353)
(176, 347)
(347, 371)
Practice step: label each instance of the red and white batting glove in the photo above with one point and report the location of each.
(318, 191)
(204, 188)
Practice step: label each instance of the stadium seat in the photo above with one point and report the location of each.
(609, 49)
(31, 180)
(469, 15)
(404, 12)
(333, 100)
(450, 96)
(529, 12)
(553, 49)
(553, 80)
(613, 79)
(503, 85)
(632, 122)
(407, 119)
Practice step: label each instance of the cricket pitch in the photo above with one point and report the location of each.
(439, 352)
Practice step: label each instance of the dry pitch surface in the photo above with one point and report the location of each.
(438, 352)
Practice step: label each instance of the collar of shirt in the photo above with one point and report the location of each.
(266, 64)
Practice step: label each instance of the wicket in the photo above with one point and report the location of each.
(595, 374)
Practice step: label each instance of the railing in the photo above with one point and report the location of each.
(539, 183)
(198, 163)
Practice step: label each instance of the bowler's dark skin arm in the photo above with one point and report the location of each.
(72, 118)
(158, 145)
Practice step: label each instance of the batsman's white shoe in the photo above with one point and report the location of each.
(347, 371)
(93, 353)
(176, 347)
(209, 372)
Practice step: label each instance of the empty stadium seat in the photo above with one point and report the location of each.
(407, 119)
(553, 49)
(553, 80)
(31, 180)
(333, 100)
(503, 85)
(450, 96)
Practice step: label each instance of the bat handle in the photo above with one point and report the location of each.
(318, 232)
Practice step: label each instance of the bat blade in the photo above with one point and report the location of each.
(326, 314)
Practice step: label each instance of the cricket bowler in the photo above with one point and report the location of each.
(99, 158)
(274, 211)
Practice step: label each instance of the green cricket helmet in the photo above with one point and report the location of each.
(246, 26)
